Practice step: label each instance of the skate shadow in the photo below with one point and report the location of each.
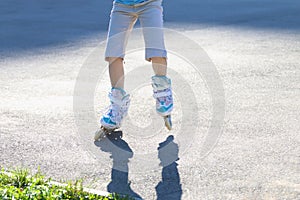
(120, 154)
(169, 188)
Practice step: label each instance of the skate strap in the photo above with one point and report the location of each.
(163, 93)
(117, 100)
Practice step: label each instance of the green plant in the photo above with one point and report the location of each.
(19, 184)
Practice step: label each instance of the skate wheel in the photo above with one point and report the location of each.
(168, 122)
(101, 133)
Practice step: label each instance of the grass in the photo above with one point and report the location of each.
(19, 184)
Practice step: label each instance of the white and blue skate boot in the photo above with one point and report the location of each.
(117, 110)
(162, 92)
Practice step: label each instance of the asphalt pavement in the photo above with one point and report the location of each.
(236, 77)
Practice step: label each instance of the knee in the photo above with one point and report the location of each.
(158, 59)
(112, 60)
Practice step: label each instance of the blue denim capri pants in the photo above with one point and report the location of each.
(122, 19)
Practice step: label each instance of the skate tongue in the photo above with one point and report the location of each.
(160, 82)
(118, 91)
(118, 96)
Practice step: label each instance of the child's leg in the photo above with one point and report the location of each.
(116, 72)
(159, 65)
(151, 19)
(121, 23)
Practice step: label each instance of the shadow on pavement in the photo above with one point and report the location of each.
(34, 24)
(120, 154)
(169, 188)
(30, 24)
(255, 14)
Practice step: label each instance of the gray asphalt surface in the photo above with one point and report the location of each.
(255, 46)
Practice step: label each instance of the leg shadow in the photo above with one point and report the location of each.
(120, 154)
(169, 188)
